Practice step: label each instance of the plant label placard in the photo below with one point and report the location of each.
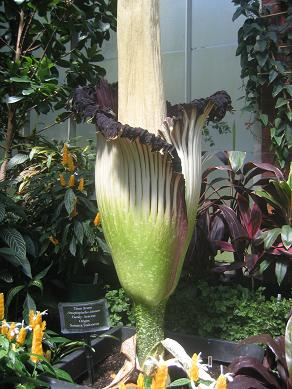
(90, 316)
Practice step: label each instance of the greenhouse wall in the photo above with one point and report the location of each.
(199, 41)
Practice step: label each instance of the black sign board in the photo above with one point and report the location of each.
(90, 316)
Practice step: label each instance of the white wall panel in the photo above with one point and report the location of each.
(213, 61)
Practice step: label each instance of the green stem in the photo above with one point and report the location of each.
(150, 329)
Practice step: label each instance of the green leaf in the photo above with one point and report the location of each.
(270, 199)
(237, 13)
(72, 246)
(29, 304)
(270, 236)
(3, 353)
(17, 160)
(43, 273)
(27, 92)
(280, 102)
(38, 284)
(6, 276)
(288, 345)
(12, 258)
(11, 294)
(264, 265)
(280, 271)
(272, 76)
(70, 200)
(15, 241)
(236, 159)
(88, 204)
(179, 382)
(262, 58)
(289, 181)
(78, 231)
(20, 79)
(2, 212)
(49, 160)
(102, 244)
(260, 45)
(4, 343)
(264, 119)
(277, 89)
(88, 232)
(30, 246)
(14, 99)
(62, 375)
(289, 89)
(286, 235)
(65, 235)
(277, 122)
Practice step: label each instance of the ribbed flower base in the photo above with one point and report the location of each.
(150, 329)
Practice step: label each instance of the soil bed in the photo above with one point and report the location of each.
(106, 370)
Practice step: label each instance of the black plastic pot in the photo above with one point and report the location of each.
(221, 351)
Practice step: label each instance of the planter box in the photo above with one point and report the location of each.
(221, 351)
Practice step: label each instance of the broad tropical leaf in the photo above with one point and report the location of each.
(288, 346)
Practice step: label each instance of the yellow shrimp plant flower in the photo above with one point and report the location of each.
(2, 306)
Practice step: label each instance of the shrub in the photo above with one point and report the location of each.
(226, 312)
(120, 308)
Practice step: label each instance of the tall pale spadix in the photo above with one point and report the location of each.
(147, 182)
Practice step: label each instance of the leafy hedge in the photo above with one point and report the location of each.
(226, 312)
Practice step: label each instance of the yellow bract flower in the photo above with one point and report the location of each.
(194, 371)
(2, 308)
(221, 382)
(4, 328)
(97, 219)
(62, 180)
(11, 332)
(160, 378)
(71, 181)
(81, 184)
(140, 381)
(36, 348)
(43, 325)
(122, 386)
(35, 318)
(71, 165)
(65, 155)
(21, 336)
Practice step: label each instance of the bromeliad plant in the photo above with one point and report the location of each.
(147, 181)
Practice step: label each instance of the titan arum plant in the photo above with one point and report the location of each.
(148, 168)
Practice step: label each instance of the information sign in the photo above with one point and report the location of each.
(90, 316)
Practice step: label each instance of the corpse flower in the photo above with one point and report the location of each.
(147, 179)
(147, 190)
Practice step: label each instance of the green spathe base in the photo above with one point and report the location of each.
(149, 329)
